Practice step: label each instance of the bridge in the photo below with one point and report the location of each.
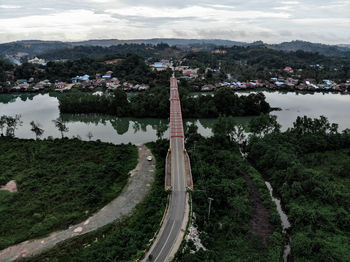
(178, 179)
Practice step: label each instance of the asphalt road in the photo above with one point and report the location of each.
(176, 213)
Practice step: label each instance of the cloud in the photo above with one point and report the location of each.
(10, 6)
(193, 11)
(267, 20)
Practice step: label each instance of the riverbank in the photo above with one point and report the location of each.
(59, 183)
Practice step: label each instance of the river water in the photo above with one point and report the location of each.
(44, 108)
(284, 220)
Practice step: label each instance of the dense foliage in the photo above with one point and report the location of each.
(82, 51)
(4, 66)
(58, 181)
(122, 240)
(308, 167)
(155, 103)
(219, 172)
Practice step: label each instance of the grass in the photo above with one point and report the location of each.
(60, 182)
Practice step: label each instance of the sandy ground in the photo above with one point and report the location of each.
(138, 186)
(10, 186)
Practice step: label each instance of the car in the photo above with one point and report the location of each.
(149, 158)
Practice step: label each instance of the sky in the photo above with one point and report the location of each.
(273, 21)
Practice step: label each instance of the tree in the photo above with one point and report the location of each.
(12, 124)
(2, 124)
(60, 126)
(239, 134)
(161, 128)
(89, 135)
(264, 124)
(36, 129)
(224, 128)
(191, 133)
(304, 125)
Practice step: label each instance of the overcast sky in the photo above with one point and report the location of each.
(324, 21)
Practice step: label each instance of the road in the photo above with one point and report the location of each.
(171, 234)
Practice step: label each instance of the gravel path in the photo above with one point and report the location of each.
(138, 186)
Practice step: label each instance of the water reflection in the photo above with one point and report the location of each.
(43, 108)
(11, 98)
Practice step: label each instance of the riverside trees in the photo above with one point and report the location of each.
(11, 123)
(155, 103)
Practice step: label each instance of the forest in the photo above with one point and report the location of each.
(155, 103)
(58, 181)
(308, 166)
(77, 52)
(123, 240)
(4, 66)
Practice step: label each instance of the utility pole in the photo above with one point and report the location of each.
(210, 199)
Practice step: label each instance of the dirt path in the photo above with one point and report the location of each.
(259, 224)
(138, 186)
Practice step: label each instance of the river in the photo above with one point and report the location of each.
(43, 108)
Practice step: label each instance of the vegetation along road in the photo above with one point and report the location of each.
(138, 186)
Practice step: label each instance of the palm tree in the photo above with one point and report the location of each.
(60, 126)
(36, 129)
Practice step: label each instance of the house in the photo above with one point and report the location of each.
(279, 83)
(21, 81)
(207, 88)
(108, 75)
(61, 85)
(219, 51)
(288, 69)
(112, 86)
(113, 61)
(159, 66)
(143, 87)
(45, 83)
(80, 78)
(38, 87)
(190, 72)
(37, 61)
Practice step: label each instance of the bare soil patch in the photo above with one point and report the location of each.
(10, 186)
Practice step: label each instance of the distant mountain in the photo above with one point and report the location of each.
(30, 47)
(155, 41)
(328, 50)
(36, 47)
(345, 45)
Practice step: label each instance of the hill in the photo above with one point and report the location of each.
(328, 50)
(36, 47)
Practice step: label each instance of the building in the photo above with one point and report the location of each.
(288, 69)
(37, 61)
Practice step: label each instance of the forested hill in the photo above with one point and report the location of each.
(37, 47)
(146, 51)
(32, 48)
(328, 50)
